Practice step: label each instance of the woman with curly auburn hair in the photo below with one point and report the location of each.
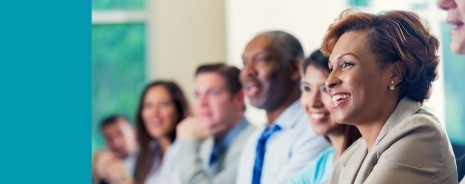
(382, 69)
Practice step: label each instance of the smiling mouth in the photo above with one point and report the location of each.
(457, 25)
(156, 121)
(252, 89)
(318, 116)
(339, 99)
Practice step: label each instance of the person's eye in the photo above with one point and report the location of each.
(263, 59)
(146, 105)
(164, 104)
(346, 64)
(323, 89)
(305, 88)
(244, 62)
(213, 93)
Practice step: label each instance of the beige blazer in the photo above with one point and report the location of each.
(412, 148)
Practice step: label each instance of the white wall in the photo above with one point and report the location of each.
(304, 19)
(183, 35)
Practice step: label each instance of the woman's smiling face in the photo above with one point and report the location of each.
(357, 84)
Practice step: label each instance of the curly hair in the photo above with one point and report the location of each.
(393, 36)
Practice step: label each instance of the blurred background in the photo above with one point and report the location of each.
(136, 41)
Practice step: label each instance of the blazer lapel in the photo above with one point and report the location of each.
(404, 109)
(367, 166)
(351, 168)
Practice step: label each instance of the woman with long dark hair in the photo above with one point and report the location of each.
(161, 107)
(316, 101)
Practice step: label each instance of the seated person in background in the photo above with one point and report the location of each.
(456, 16)
(161, 107)
(121, 145)
(315, 101)
(382, 68)
(108, 169)
(211, 141)
(271, 80)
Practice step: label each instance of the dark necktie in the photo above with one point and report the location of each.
(260, 152)
(213, 155)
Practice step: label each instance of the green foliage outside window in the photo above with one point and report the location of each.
(118, 4)
(118, 72)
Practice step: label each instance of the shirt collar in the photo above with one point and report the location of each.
(404, 109)
(232, 133)
(289, 117)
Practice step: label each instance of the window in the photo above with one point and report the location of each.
(118, 60)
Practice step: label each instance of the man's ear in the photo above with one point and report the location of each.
(397, 72)
(240, 96)
(297, 69)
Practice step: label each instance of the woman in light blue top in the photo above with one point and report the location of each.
(315, 101)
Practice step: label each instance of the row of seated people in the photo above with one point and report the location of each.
(349, 113)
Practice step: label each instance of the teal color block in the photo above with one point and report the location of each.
(45, 93)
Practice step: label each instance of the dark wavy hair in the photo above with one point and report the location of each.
(147, 152)
(317, 59)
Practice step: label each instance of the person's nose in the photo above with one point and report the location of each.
(119, 142)
(315, 99)
(249, 70)
(332, 81)
(156, 110)
(201, 101)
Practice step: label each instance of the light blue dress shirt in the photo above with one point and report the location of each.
(219, 148)
(318, 171)
(287, 151)
(234, 132)
(193, 163)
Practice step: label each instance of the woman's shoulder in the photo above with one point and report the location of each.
(422, 133)
(420, 124)
(425, 118)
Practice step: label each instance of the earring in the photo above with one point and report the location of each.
(392, 86)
